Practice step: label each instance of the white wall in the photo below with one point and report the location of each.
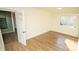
(38, 21)
(71, 30)
(78, 26)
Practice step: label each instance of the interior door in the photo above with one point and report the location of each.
(21, 29)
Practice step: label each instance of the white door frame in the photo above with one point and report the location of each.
(19, 33)
(21, 27)
(2, 48)
(12, 22)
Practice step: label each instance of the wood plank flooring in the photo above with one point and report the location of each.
(50, 41)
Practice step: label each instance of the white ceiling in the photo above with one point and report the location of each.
(64, 9)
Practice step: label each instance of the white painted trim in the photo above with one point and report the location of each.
(2, 48)
(21, 27)
(7, 32)
(19, 33)
(8, 9)
(12, 22)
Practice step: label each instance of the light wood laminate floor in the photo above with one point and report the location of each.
(49, 41)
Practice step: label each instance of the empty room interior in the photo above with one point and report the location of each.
(39, 29)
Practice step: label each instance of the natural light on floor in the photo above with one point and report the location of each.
(71, 45)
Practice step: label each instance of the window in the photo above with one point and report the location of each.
(3, 23)
(67, 20)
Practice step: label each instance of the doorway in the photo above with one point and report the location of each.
(8, 27)
(18, 26)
